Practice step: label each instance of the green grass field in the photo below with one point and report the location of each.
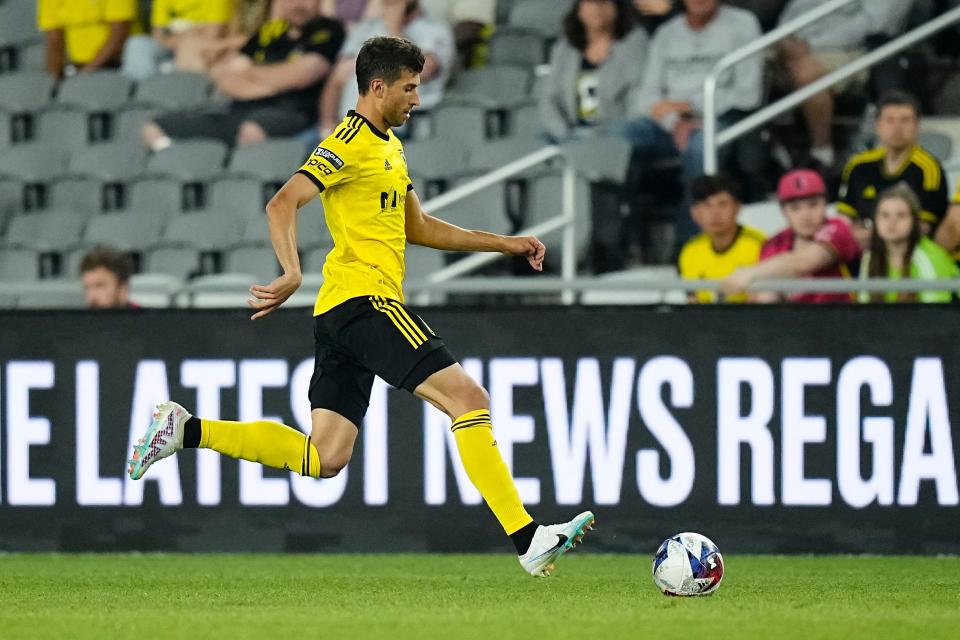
(483, 596)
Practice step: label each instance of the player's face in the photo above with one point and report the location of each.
(597, 14)
(894, 220)
(898, 126)
(702, 9)
(102, 289)
(400, 98)
(296, 12)
(806, 215)
(717, 215)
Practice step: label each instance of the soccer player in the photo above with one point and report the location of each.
(362, 328)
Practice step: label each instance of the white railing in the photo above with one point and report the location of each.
(713, 140)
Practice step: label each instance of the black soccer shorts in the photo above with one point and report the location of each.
(369, 336)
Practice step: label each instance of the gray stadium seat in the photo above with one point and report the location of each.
(46, 230)
(495, 87)
(108, 161)
(11, 201)
(53, 295)
(67, 128)
(546, 202)
(180, 262)
(460, 122)
(485, 210)
(437, 159)
(221, 291)
(269, 161)
(312, 230)
(25, 92)
(127, 231)
(174, 91)
(422, 261)
(521, 47)
(258, 259)
(31, 58)
(189, 160)
(99, 91)
(243, 196)
(154, 290)
(938, 144)
(208, 230)
(497, 153)
(6, 130)
(32, 162)
(70, 260)
(19, 265)
(632, 295)
(542, 16)
(162, 195)
(525, 120)
(313, 259)
(79, 194)
(128, 124)
(600, 157)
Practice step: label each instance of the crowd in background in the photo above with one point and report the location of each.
(634, 68)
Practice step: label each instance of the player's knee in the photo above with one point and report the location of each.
(333, 461)
(474, 397)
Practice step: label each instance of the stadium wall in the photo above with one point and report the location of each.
(769, 430)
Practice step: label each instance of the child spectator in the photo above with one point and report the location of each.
(86, 35)
(724, 246)
(900, 250)
(813, 246)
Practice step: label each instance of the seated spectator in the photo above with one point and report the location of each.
(400, 18)
(899, 249)
(85, 35)
(668, 106)
(472, 22)
(105, 274)
(201, 55)
(179, 30)
(898, 159)
(593, 68)
(273, 82)
(813, 246)
(724, 246)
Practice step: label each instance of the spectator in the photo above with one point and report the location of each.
(105, 274)
(350, 12)
(593, 68)
(898, 158)
(899, 249)
(813, 245)
(668, 106)
(653, 13)
(85, 35)
(273, 82)
(724, 246)
(180, 29)
(472, 22)
(400, 18)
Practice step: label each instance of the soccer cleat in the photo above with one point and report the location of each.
(551, 542)
(164, 437)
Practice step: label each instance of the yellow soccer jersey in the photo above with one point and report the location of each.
(178, 14)
(699, 260)
(85, 24)
(363, 181)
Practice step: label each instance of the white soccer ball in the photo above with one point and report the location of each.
(687, 564)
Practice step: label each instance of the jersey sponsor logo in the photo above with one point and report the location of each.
(329, 156)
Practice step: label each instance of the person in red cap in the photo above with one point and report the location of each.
(813, 246)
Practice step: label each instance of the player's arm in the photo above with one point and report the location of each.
(805, 259)
(425, 230)
(111, 49)
(282, 220)
(239, 78)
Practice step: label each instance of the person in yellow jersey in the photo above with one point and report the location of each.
(87, 34)
(362, 328)
(724, 245)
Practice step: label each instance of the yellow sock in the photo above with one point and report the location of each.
(269, 443)
(487, 470)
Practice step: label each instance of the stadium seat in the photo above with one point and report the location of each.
(99, 91)
(179, 262)
(173, 91)
(494, 87)
(312, 230)
(543, 16)
(600, 158)
(437, 159)
(632, 295)
(306, 295)
(25, 92)
(19, 265)
(127, 231)
(460, 122)
(485, 209)
(45, 230)
(545, 201)
(269, 161)
(497, 153)
(257, 259)
(223, 290)
(128, 124)
(313, 259)
(189, 160)
(938, 144)
(67, 128)
(520, 47)
(155, 290)
(525, 120)
(208, 230)
(243, 196)
(11, 201)
(32, 162)
(161, 195)
(6, 130)
(422, 261)
(111, 162)
(80, 194)
(53, 295)
(31, 58)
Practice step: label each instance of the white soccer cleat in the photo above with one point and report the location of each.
(164, 437)
(551, 542)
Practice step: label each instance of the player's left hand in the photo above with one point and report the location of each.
(528, 246)
(267, 298)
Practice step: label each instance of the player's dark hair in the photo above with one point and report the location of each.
(576, 33)
(879, 260)
(116, 262)
(386, 58)
(897, 98)
(708, 186)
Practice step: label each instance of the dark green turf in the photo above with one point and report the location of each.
(443, 596)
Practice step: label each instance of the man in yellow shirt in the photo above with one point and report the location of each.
(361, 326)
(724, 245)
(89, 35)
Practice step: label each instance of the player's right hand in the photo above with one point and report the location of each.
(267, 298)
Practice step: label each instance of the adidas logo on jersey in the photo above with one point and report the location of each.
(387, 166)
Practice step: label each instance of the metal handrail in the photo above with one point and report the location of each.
(712, 140)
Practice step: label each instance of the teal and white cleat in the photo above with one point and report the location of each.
(551, 542)
(164, 437)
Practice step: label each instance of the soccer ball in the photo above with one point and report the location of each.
(687, 564)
